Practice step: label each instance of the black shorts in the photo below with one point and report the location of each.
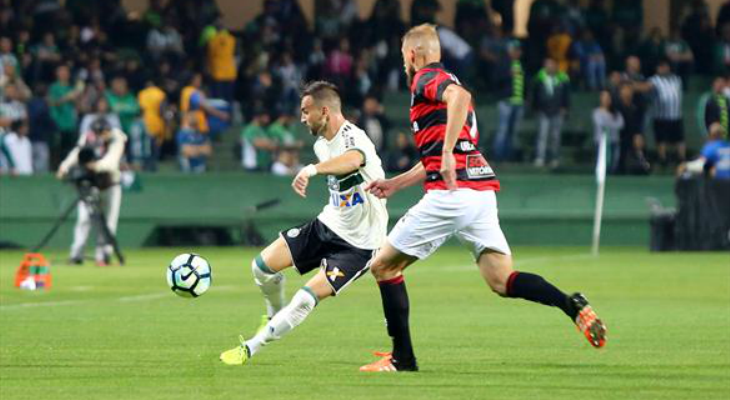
(313, 245)
(668, 130)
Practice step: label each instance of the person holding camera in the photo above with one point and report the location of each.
(93, 165)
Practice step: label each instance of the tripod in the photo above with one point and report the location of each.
(90, 196)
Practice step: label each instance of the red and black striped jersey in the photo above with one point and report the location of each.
(428, 121)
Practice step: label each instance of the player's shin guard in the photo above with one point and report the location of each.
(396, 308)
(271, 284)
(301, 305)
(533, 287)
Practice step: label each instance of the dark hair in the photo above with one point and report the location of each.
(323, 92)
(100, 125)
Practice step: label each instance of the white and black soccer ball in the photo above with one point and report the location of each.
(189, 275)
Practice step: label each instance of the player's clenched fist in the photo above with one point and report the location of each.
(381, 188)
(301, 181)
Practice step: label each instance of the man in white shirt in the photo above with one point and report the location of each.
(340, 241)
(20, 148)
(107, 145)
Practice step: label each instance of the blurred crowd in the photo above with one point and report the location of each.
(173, 78)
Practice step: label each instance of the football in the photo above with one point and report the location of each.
(189, 275)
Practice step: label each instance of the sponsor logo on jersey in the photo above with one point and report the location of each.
(334, 274)
(347, 200)
(292, 233)
(477, 167)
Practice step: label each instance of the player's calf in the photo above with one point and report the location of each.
(271, 284)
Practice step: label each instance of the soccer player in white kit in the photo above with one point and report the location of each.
(340, 241)
(460, 201)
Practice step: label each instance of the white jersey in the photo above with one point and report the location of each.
(355, 215)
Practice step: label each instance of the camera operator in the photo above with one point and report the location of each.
(93, 165)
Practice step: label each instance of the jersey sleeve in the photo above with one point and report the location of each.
(708, 152)
(359, 141)
(432, 84)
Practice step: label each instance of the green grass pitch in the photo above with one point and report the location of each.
(119, 333)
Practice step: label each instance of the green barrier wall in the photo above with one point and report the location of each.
(534, 209)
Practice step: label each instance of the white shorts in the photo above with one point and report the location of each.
(469, 214)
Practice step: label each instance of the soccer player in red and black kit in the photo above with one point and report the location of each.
(460, 200)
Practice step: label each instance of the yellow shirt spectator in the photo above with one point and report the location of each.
(150, 100)
(221, 56)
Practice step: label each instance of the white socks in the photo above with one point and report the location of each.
(271, 284)
(285, 320)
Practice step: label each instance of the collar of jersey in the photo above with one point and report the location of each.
(336, 134)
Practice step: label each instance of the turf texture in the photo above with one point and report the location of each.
(120, 333)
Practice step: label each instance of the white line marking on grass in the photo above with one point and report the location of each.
(124, 299)
(43, 304)
(143, 297)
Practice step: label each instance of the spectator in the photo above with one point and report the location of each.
(141, 150)
(165, 42)
(722, 51)
(101, 111)
(12, 109)
(713, 107)
(457, 53)
(193, 146)
(403, 156)
(558, 48)
(194, 101)
(667, 112)
(7, 164)
(46, 57)
(122, 102)
(290, 77)
(20, 148)
(607, 121)
(631, 149)
(280, 131)
(680, 57)
(222, 63)
(697, 29)
(11, 77)
(256, 145)
(287, 161)
(592, 61)
(153, 102)
(63, 111)
(374, 122)
(424, 11)
(714, 157)
(550, 99)
(7, 56)
(339, 63)
(651, 51)
(510, 78)
(42, 128)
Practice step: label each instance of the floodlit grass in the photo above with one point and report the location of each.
(119, 333)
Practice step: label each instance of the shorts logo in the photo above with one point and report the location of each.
(333, 183)
(334, 274)
(477, 167)
(292, 233)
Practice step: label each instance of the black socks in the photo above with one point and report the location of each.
(396, 307)
(534, 288)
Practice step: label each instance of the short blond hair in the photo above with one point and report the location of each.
(423, 38)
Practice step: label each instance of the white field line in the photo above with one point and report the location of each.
(124, 299)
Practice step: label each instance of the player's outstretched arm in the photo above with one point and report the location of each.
(384, 188)
(349, 162)
(457, 101)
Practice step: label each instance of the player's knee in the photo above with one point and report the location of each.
(262, 273)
